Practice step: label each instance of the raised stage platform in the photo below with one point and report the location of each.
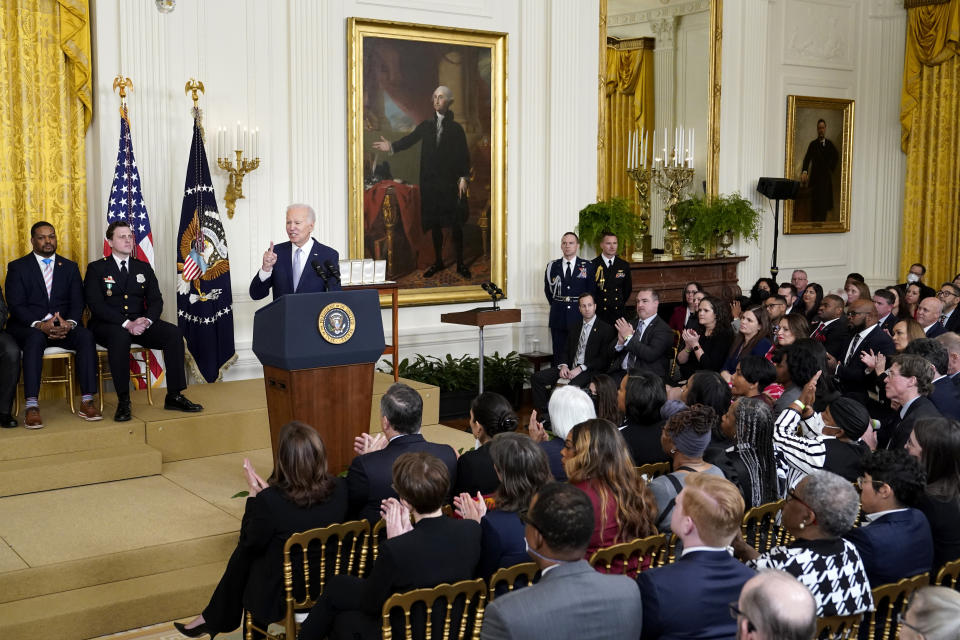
(110, 526)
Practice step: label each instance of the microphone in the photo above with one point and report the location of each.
(332, 269)
(319, 271)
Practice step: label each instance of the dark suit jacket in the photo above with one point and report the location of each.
(599, 347)
(281, 278)
(689, 598)
(644, 442)
(502, 543)
(572, 600)
(836, 338)
(370, 475)
(894, 434)
(934, 330)
(895, 546)
(946, 398)
(887, 325)
(112, 302)
(852, 376)
(553, 449)
(614, 286)
(27, 292)
(268, 520)
(953, 322)
(651, 351)
(475, 472)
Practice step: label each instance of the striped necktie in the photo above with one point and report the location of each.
(48, 275)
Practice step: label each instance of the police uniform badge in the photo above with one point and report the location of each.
(336, 323)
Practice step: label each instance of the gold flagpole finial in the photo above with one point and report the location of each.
(122, 84)
(191, 88)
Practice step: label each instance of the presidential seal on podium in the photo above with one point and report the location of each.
(336, 323)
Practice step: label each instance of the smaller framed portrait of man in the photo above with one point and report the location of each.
(819, 149)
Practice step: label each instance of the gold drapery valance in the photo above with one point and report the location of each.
(630, 107)
(930, 136)
(46, 98)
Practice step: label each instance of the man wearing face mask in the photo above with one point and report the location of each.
(572, 600)
(915, 275)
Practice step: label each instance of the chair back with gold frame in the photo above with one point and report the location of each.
(888, 601)
(457, 622)
(509, 576)
(377, 535)
(760, 528)
(344, 546)
(653, 470)
(653, 546)
(838, 627)
(949, 575)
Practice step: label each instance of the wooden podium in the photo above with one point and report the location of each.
(481, 318)
(326, 382)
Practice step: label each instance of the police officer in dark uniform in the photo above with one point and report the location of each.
(563, 281)
(125, 305)
(614, 283)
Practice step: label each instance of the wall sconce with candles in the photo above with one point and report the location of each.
(244, 145)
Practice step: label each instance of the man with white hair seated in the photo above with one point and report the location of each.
(568, 407)
(775, 606)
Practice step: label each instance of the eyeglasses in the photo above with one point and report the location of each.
(901, 620)
(944, 294)
(735, 613)
(774, 304)
(524, 515)
(876, 483)
(792, 495)
(852, 314)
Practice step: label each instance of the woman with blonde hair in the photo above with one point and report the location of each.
(597, 461)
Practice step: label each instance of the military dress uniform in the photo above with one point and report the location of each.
(563, 293)
(614, 285)
(115, 296)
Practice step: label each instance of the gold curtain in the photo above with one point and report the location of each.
(46, 104)
(930, 136)
(630, 107)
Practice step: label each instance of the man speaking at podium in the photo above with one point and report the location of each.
(301, 265)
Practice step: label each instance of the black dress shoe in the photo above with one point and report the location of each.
(197, 631)
(7, 421)
(434, 269)
(123, 411)
(179, 402)
(462, 270)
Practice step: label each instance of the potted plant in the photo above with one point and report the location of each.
(690, 216)
(614, 215)
(506, 375)
(703, 221)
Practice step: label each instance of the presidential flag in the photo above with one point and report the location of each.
(204, 298)
(126, 203)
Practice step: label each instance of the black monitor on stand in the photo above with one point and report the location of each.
(777, 189)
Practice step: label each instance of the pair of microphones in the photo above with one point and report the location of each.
(495, 292)
(326, 271)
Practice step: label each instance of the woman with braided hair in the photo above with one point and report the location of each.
(490, 414)
(750, 463)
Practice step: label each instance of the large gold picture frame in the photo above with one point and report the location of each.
(394, 69)
(822, 165)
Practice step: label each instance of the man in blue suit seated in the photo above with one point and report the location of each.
(370, 477)
(572, 600)
(690, 598)
(895, 540)
(301, 265)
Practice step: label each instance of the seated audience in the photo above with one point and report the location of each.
(886, 304)
(571, 600)
(568, 406)
(750, 462)
(685, 437)
(643, 397)
(951, 342)
(911, 300)
(933, 614)
(928, 315)
(604, 391)
(936, 443)
(856, 290)
(597, 462)
(300, 495)
(810, 302)
(829, 440)
(949, 295)
(490, 414)
(776, 308)
(707, 388)
(818, 511)
(370, 473)
(799, 279)
(775, 606)
(752, 377)
(833, 330)
(909, 381)
(915, 277)
(892, 482)
(762, 289)
(792, 327)
(904, 332)
(523, 469)
(945, 395)
(690, 597)
(589, 350)
(707, 347)
(802, 367)
(684, 316)
(791, 295)
(899, 304)
(751, 339)
(433, 550)
(645, 344)
(868, 339)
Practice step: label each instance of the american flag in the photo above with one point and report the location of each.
(126, 203)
